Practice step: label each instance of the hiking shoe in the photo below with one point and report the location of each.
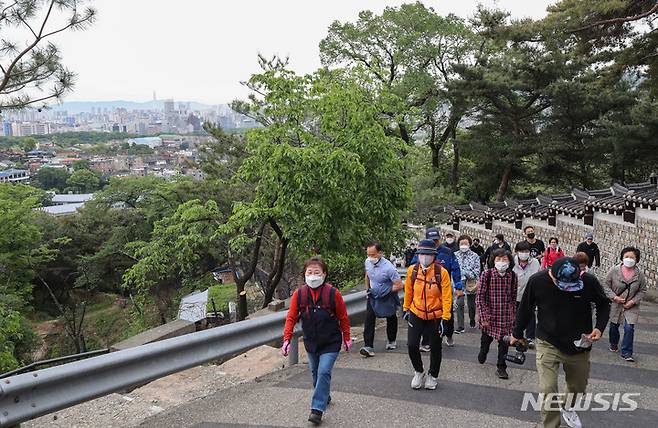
(450, 342)
(629, 358)
(315, 417)
(472, 324)
(425, 348)
(431, 382)
(571, 418)
(482, 356)
(391, 345)
(367, 351)
(459, 330)
(501, 372)
(613, 348)
(417, 381)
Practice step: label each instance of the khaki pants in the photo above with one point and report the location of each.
(576, 370)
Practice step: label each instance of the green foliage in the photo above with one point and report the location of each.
(84, 181)
(51, 179)
(221, 294)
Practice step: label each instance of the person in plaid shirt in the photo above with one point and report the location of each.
(496, 305)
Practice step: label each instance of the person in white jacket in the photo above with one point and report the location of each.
(524, 267)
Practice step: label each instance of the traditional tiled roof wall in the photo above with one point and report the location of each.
(617, 216)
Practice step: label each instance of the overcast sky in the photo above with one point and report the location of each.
(200, 50)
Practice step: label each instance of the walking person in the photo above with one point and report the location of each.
(498, 243)
(552, 254)
(469, 265)
(446, 257)
(479, 250)
(524, 267)
(496, 304)
(537, 246)
(409, 254)
(625, 286)
(427, 307)
(583, 261)
(563, 299)
(382, 284)
(451, 242)
(590, 248)
(325, 326)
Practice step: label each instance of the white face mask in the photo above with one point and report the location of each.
(426, 260)
(524, 256)
(502, 266)
(629, 262)
(464, 248)
(314, 281)
(450, 240)
(373, 260)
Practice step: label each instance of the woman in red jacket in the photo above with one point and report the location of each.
(553, 252)
(325, 326)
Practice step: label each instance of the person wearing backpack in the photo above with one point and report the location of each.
(325, 326)
(553, 253)
(427, 308)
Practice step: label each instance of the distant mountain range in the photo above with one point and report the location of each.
(86, 106)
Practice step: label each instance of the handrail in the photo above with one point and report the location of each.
(32, 366)
(29, 395)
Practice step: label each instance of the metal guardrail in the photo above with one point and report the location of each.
(54, 361)
(29, 395)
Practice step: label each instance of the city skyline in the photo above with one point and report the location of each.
(202, 53)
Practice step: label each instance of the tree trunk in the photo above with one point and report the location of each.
(404, 133)
(277, 272)
(504, 183)
(455, 167)
(241, 280)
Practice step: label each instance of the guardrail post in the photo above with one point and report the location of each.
(293, 354)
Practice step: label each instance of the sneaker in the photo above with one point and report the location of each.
(531, 343)
(425, 348)
(613, 348)
(431, 382)
(459, 331)
(629, 358)
(501, 372)
(571, 418)
(417, 381)
(367, 351)
(482, 357)
(315, 417)
(472, 324)
(391, 345)
(450, 342)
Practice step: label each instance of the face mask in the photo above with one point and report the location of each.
(450, 240)
(426, 260)
(464, 248)
(502, 266)
(531, 236)
(524, 256)
(373, 260)
(629, 262)
(314, 281)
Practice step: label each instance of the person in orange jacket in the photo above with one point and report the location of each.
(427, 305)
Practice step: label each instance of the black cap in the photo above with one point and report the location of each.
(432, 233)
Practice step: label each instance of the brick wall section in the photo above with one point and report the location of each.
(611, 233)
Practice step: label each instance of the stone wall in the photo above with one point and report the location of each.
(611, 233)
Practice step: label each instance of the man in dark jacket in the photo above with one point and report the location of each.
(451, 242)
(479, 250)
(564, 330)
(590, 248)
(498, 243)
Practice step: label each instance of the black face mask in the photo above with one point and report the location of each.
(531, 236)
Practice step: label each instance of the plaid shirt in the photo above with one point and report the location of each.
(496, 302)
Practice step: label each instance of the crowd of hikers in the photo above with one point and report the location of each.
(531, 296)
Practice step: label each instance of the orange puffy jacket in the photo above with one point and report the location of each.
(425, 297)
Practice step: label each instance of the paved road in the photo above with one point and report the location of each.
(376, 391)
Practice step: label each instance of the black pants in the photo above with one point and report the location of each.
(449, 328)
(427, 329)
(369, 327)
(470, 302)
(485, 342)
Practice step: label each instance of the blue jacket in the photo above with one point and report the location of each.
(447, 258)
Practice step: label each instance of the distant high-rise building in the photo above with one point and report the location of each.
(169, 114)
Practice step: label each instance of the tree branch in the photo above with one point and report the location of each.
(620, 20)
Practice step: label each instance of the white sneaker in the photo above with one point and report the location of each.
(391, 345)
(425, 348)
(431, 382)
(450, 341)
(417, 381)
(571, 418)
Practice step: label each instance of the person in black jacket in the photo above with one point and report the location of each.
(479, 250)
(563, 298)
(498, 243)
(590, 248)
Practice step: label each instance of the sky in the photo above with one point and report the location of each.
(200, 50)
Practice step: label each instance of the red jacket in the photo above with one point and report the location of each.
(293, 314)
(550, 256)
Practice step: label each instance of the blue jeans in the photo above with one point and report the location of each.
(627, 342)
(321, 366)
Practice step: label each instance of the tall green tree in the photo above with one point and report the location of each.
(84, 181)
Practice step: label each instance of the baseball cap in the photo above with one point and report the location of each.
(589, 235)
(432, 233)
(567, 274)
(426, 246)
